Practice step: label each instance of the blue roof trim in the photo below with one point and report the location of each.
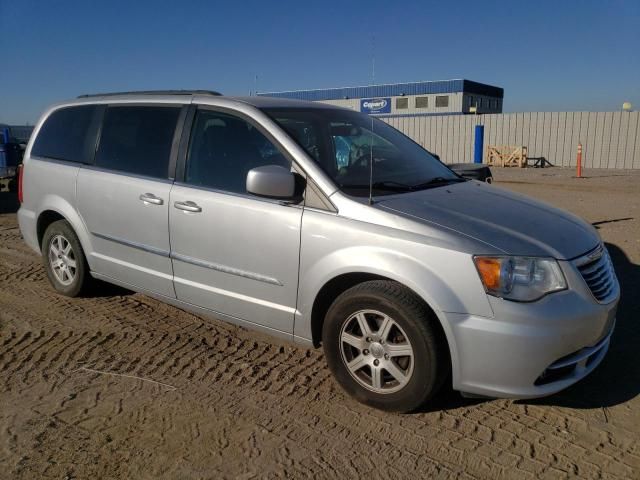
(392, 90)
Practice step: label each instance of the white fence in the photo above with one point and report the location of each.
(609, 139)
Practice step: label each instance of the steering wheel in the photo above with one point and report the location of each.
(361, 156)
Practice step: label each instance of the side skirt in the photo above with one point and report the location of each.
(205, 312)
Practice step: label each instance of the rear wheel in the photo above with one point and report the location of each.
(382, 345)
(64, 259)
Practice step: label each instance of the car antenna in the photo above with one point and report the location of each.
(373, 82)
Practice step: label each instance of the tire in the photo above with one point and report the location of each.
(60, 237)
(404, 381)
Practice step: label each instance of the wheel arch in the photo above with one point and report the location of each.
(45, 219)
(56, 208)
(341, 283)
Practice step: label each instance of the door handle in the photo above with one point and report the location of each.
(151, 198)
(188, 206)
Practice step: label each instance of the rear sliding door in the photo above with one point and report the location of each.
(124, 197)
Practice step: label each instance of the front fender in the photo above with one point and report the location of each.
(444, 278)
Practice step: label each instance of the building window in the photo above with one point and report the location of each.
(402, 103)
(442, 101)
(471, 104)
(495, 104)
(422, 102)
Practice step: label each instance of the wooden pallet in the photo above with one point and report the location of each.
(506, 156)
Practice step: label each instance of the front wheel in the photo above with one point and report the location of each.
(383, 346)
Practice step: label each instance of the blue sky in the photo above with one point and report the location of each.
(548, 55)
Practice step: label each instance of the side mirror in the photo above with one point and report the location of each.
(271, 181)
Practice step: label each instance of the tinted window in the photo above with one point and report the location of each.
(224, 148)
(65, 135)
(137, 140)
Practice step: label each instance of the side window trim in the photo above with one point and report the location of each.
(100, 120)
(176, 142)
(183, 149)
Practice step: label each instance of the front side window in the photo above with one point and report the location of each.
(65, 135)
(347, 143)
(137, 140)
(223, 148)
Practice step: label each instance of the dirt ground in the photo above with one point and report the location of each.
(122, 386)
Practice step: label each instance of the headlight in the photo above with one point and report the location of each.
(523, 279)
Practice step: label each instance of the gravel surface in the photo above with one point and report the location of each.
(122, 386)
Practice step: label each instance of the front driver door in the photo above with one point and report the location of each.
(232, 252)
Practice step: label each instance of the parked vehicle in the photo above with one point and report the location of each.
(247, 209)
(13, 141)
(473, 171)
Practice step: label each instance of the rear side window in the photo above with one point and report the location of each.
(137, 140)
(65, 135)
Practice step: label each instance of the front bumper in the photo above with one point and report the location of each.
(530, 350)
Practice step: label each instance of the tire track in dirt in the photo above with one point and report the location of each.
(244, 403)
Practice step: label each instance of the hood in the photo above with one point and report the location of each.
(507, 221)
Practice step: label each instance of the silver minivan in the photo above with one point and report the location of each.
(323, 226)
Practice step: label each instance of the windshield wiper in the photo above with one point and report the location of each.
(437, 182)
(386, 185)
(391, 186)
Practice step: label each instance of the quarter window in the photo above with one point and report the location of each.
(137, 140)
(65, 135)
(442, 101)
(222, 150)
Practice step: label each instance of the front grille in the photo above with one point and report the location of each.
(597, 270)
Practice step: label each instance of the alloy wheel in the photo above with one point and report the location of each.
(376, 351)
(62, 260)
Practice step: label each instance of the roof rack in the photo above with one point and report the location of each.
(154, 92)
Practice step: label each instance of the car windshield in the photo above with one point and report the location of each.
(346, 143)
